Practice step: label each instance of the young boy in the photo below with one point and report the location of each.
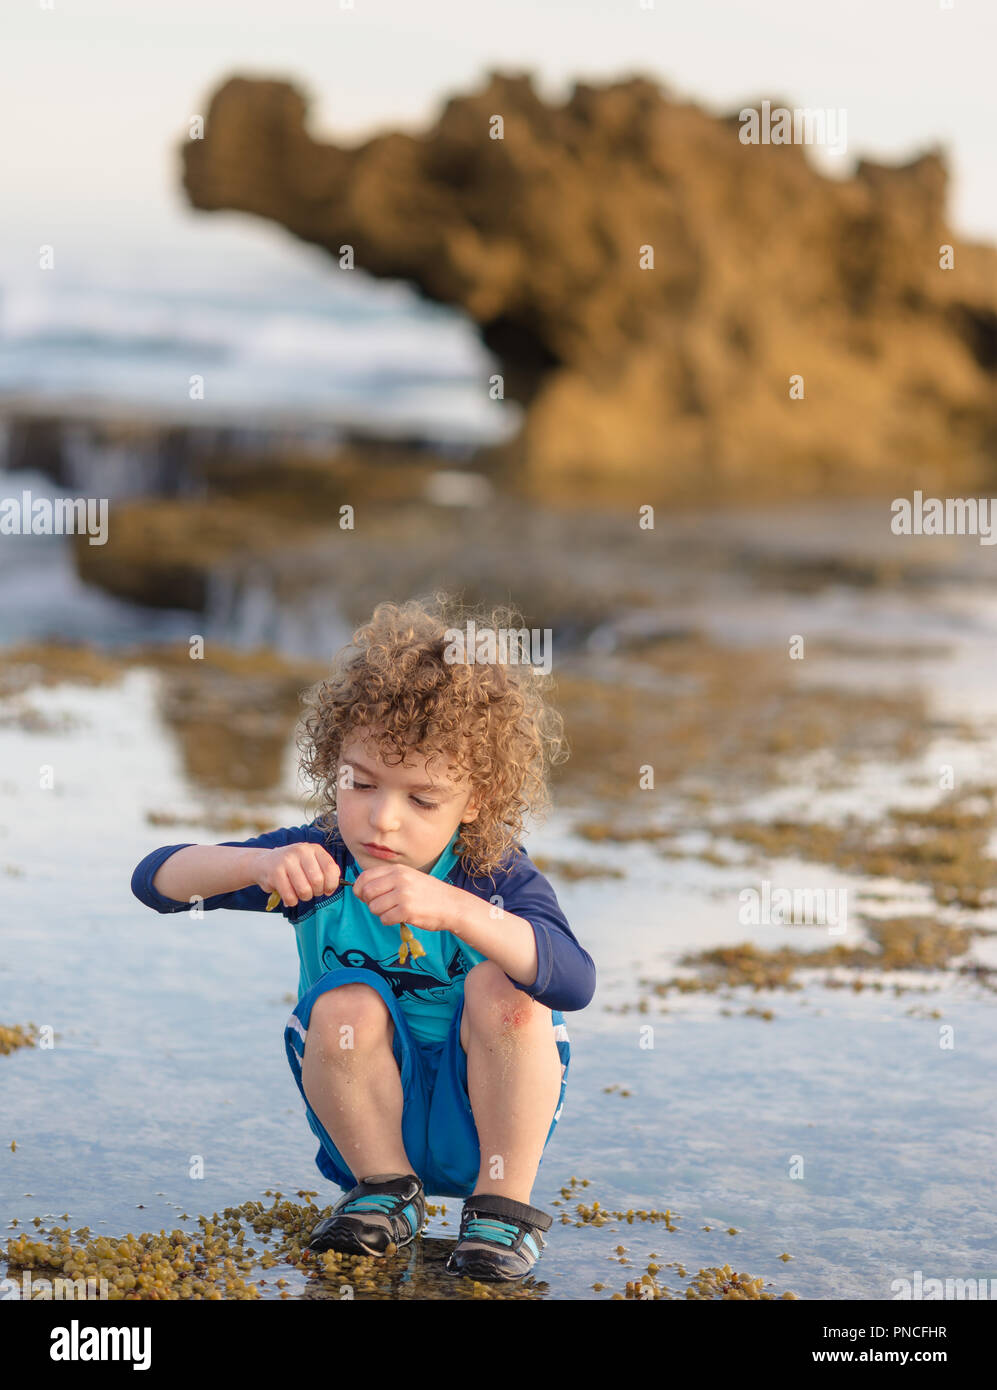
(440, 1069)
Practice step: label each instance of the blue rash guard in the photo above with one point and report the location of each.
(339, 931)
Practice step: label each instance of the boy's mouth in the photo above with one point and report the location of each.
(381, 851)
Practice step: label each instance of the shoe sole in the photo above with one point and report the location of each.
(481, 1269)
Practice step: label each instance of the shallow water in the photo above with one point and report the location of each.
(169, 1031)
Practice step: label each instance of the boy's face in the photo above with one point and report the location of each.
(412, 809)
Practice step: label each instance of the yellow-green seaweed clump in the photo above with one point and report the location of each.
(14, 1036)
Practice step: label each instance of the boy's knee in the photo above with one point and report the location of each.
(491, 998)
(357, 1005)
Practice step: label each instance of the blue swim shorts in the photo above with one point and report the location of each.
(438, 1127)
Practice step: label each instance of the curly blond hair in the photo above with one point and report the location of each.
(491, 719)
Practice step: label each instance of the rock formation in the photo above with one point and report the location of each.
(677, 375)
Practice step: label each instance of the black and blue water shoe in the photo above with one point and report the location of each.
(383, 1210)
(499, 1238)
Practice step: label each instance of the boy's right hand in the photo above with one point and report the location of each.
(301, 871)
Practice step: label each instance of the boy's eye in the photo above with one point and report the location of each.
(366, 786)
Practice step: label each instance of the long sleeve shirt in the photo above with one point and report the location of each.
(338, 931)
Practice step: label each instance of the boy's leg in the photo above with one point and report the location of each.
(513, 1079)
(351, 1079)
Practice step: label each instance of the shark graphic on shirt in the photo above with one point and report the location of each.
(414, 979)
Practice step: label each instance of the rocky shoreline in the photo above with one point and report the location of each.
(651, 285)
(195, 507)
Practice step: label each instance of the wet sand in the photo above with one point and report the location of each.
(798, 1094)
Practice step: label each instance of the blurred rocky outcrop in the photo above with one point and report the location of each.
(764, 268)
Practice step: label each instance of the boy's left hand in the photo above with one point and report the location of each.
(398, 893)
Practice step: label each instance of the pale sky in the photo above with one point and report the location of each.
(95, 93)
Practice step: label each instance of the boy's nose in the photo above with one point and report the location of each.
(383, 818)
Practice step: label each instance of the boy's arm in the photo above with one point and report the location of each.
(565, 977)
(227, 874)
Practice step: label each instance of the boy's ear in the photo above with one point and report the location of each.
(471, 811)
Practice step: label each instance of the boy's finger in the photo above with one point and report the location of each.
(315, 874)
(383, 902)
(283, 886)
(368, 878)
(325, 861)
(299, 880)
